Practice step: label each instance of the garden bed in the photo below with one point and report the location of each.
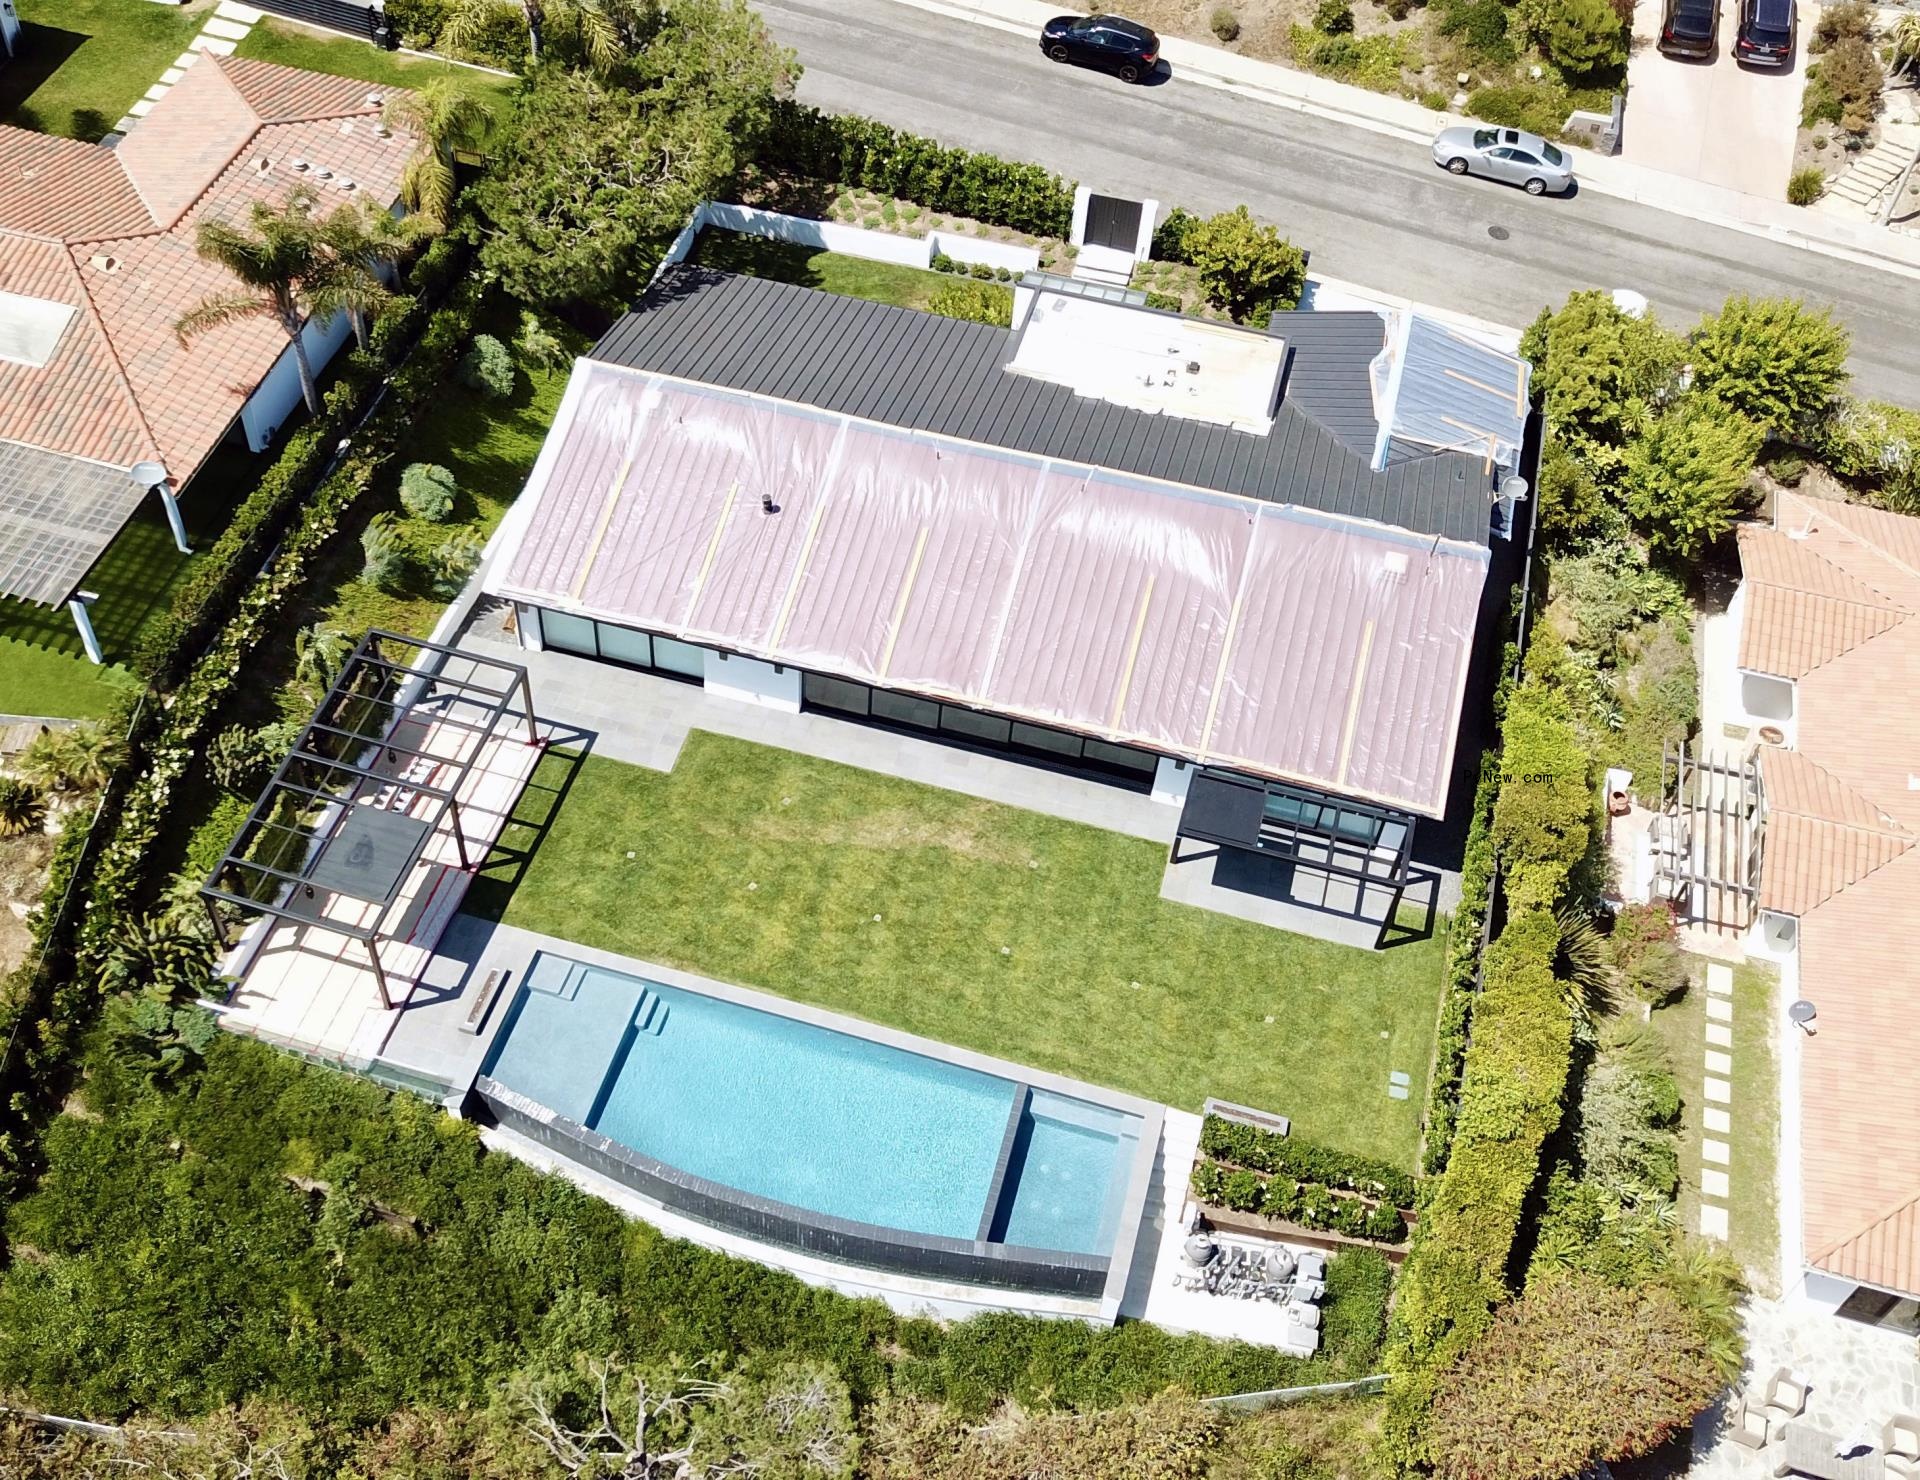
(1258, 1225)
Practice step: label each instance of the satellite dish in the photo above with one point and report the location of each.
(148, 474)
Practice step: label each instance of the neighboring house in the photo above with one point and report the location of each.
(1114, 539)
(1829, 621)
(100, 402)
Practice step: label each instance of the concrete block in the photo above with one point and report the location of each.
(218, 45)
(1719, 1010)
(173, 75)
(155, 93)
(1715, 1151)
(1719, 1035)
(1719, 978)
(232, 10)
(1719, 1062)
(227, 30)
(186, 59)
(1717, 1120)
(1713, 1221)
(1713, 1182)
(1718, 1092)
(1396, 1092)
(141, 109)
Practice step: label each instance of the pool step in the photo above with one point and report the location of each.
(651, 1015)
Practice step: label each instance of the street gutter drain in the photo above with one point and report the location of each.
(1498, 233)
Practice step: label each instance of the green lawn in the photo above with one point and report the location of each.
(1000, 930)
(82, 63)
(1753, 1223)
(785, 262)
(290, 46)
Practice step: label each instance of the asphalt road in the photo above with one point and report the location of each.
(1369, 209)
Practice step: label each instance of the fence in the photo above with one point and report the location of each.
(1273, 1397)
(852, 241)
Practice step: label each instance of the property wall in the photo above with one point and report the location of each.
(279, 390)
(853, 241)
(774, 1223)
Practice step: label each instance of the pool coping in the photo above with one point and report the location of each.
(513, 949)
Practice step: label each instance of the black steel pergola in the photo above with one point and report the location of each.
(332, 823)
(1371, 846)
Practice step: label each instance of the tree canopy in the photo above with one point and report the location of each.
(1774, 360)
(1685, 475)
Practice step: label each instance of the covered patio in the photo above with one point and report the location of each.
(360, 849)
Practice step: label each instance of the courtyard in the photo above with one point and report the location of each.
(995, 928)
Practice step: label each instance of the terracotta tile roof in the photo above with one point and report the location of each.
(1843, 821)
(111, 233)
(1860, 1097)
(61, 189)
(191, 135)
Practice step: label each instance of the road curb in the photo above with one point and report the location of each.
(1605, 175)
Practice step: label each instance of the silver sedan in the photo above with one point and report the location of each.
(1505, 154)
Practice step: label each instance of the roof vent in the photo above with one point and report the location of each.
(298, 166)
(1395, 562)
(376, 100)
(346, 125)
(261, 164)
(321, 172)
(382, 131)
(104, 262)
(344, 184)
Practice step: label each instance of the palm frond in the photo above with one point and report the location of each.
(223, 308)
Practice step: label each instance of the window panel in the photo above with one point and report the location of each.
(569, 634)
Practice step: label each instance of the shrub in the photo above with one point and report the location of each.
(1571, 501)
(1585, 36)
(1575, 1372)
(1333, 18)
(1246, 268)
(1844, 87)
(1481, 27)
(1806, 185)
(976, 302)
(1687, 473)
(1597, 371)
(427, 491)
(21, 810)
(1773, 360)
(1786, 468)
(240, 757)
(1170, 1436)
(488, 368)
(1844, 20)
(1169, 302)
(1224, 24)
(453, 562)
(1538, 107)
(870, 155)
(1542, 819)
(1646, 951)
(538, 346)
(384, 563)
(1170, 236)
(943, 263)
(1659, 692)
(1267, 1151)
(1875, 446)
(1463, 970)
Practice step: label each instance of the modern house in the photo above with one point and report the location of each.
(1109, 539)
(1828, 614)
(101, 404)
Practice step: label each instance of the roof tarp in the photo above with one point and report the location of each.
(1299, 645)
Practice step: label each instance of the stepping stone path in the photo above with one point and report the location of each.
(1716, 1154)
(225, 29)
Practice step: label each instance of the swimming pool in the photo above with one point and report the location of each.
(809, 1118)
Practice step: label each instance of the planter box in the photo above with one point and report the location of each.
(1259, 1225)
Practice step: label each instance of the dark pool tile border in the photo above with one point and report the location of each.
(997, 1185)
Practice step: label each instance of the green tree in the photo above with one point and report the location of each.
(319, 653)
(796, 1423)
(1246, 267)
(1597, 370)
(597, 178)
(1574, 1371)
(445, 117)
(148, 953)
(1773, 360)
(1686, 473)
(365, 242)
(281, 257)
(1585, 36)
(156, 1035)
(538, 347)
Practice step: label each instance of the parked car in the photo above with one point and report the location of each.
(1125, 48)
(1765, 37)
(1691, 28)
(1506, 154)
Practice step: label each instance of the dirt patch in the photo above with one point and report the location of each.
(894, 830)
(23, 874)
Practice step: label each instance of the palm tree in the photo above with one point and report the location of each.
(76, 759)
(363, 239)
(604, 31)
(281, 258)
(444, 118)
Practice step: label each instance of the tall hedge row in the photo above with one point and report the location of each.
(872, 155)
(1514, 1072)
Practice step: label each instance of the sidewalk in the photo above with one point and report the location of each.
(1283, 87)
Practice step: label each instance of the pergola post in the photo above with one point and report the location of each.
(379, 972)
(459, 833)
(526, 699)
(77, 607)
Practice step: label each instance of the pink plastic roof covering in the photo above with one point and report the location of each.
(1259, 636)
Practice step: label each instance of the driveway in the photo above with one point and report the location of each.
(1714, 121)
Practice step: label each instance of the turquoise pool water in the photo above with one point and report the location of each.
(811, 1117)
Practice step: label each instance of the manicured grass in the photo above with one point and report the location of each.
(1000, 930)
(784, 262)
(291, 46)
(36, 681)
(1753, 1223)
(80, 64)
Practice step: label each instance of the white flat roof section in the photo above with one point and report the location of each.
(1158, 363)
(1299, 645)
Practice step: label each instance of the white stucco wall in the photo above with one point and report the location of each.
(279, 390)
(752, 682)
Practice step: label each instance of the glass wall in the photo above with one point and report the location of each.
(976, 727)
(583, 635)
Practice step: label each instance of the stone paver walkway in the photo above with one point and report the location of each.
(1715, 1153)
(225, 29)
(1857, 1376)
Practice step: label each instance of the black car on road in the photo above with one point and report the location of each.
(1765, 37)
(1690, 28)
(1125, 48)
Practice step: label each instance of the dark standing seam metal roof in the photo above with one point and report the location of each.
(921, 371)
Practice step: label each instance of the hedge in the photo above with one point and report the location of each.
(873, 156)
(1268, 1151)
(1309, 1204)
(219, 616)
(1465, 942)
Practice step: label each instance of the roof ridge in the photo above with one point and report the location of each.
(124, 380)
(168, 224)
(1805, 551)
(363, 110)
(1899, 1205)
(1893, 828)
(1872, 544)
